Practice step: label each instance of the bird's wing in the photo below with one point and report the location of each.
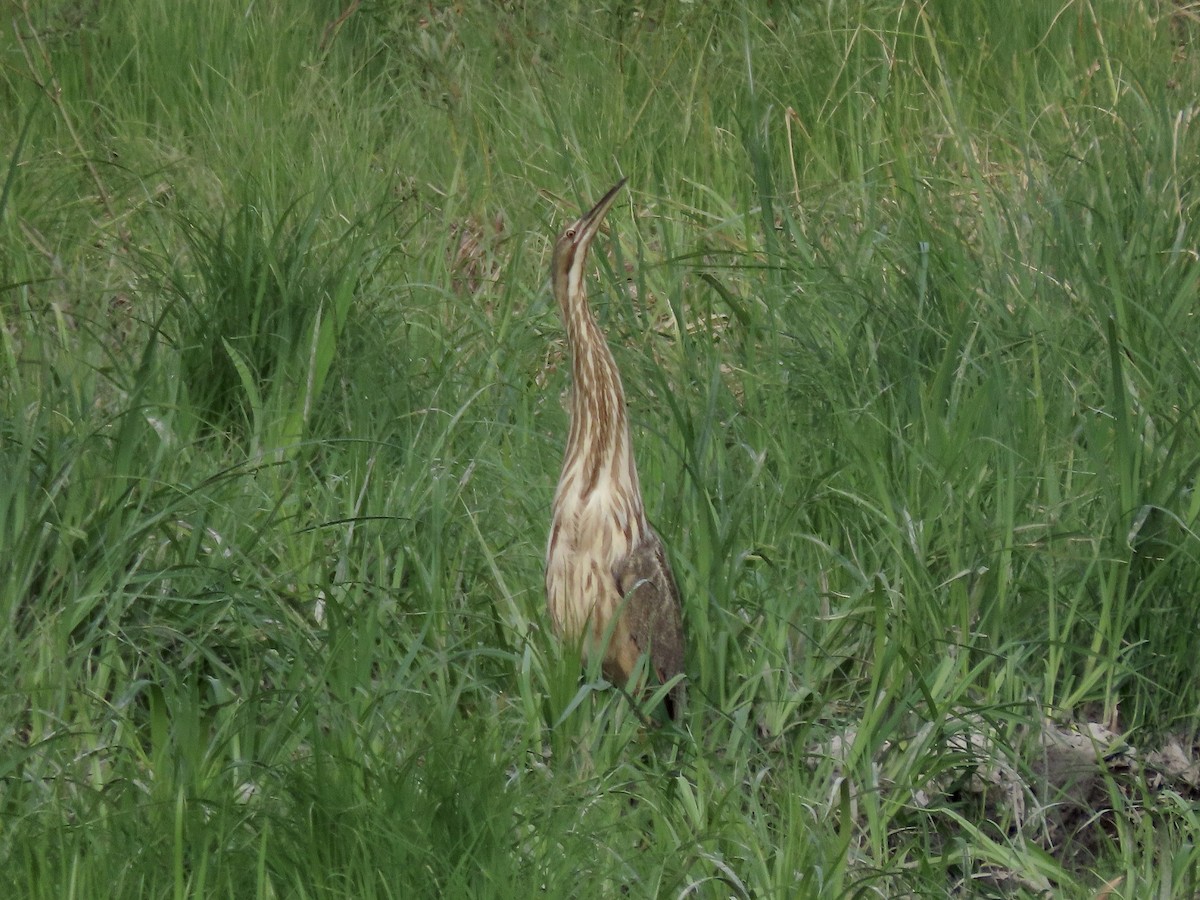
(652, 610)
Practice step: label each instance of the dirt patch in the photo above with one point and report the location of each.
(1059, 786)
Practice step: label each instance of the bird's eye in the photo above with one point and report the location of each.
(570, 232)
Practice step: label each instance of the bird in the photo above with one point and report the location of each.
(609, 584)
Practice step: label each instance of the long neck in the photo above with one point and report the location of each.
(599, 445)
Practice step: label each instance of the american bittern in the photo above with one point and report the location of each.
(608, 581)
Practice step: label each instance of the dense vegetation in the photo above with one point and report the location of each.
(905, 296)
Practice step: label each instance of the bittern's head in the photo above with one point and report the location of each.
(570, 253)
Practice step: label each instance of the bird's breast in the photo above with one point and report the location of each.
(588, 537)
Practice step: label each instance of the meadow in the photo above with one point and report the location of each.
(905, 299)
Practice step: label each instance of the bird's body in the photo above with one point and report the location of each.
(608, 581)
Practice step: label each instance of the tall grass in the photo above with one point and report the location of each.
(904, 300)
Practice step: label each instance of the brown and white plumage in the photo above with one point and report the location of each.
(606, 568)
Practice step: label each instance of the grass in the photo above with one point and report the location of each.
(904, 297)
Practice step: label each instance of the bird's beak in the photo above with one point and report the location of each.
(586, 227)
